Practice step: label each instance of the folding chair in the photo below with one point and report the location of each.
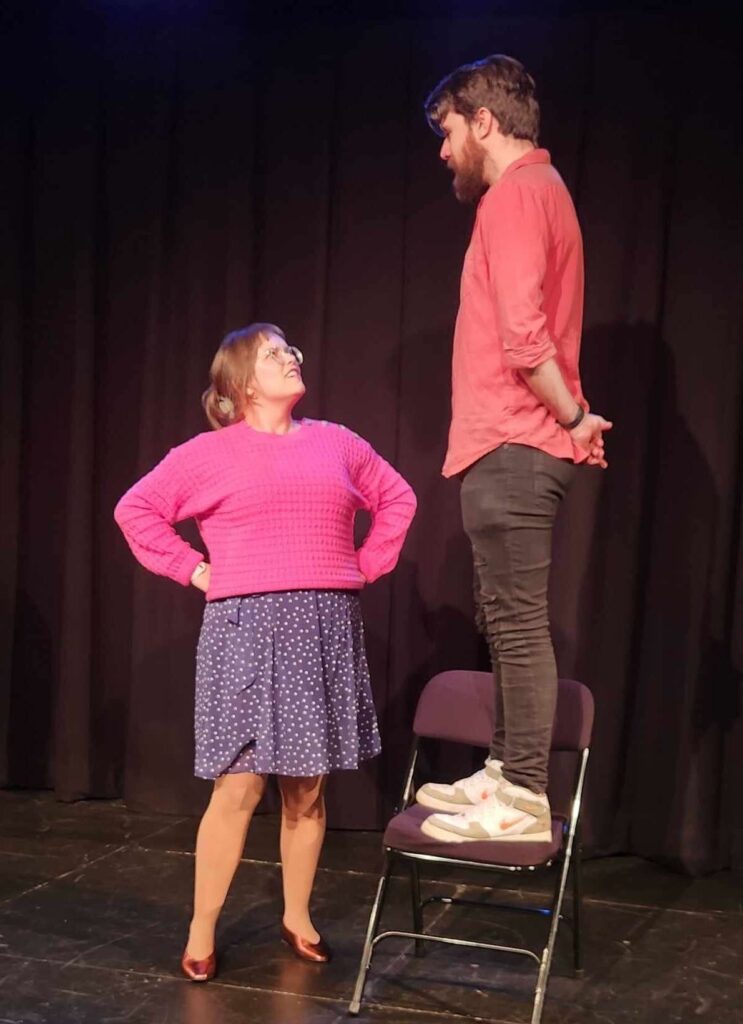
(459, 707)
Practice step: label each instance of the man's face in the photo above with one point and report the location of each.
(464, 156)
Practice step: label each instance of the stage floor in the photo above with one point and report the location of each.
(94, 905)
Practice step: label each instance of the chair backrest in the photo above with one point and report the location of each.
(459, 706)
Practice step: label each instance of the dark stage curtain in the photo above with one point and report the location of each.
(173, 170)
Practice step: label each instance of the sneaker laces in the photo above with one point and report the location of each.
(477, 781)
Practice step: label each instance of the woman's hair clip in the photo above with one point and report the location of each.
(226, 406)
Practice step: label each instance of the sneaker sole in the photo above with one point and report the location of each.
(445, 836)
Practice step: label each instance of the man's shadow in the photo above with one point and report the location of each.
(645, 548)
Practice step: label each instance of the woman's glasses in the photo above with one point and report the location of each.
(280, 353)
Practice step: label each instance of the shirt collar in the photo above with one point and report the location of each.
(534, 156)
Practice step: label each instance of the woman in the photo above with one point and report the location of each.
(282, 683)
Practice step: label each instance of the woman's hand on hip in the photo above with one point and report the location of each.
(201, 576)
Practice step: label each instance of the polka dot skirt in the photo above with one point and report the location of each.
(282, 685)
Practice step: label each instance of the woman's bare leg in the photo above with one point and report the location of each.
(219, 846)
(302, 834)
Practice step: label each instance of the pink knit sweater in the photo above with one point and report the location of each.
(276, 512)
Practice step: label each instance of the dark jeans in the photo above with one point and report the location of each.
(510, 500)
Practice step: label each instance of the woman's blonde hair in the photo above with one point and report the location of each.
(232, 368)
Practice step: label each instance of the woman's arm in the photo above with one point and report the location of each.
(146, 515)
(391, 503)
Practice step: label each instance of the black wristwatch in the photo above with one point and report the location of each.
(574, 423)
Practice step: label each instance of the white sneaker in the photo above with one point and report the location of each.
(464, 793)
(513, 814)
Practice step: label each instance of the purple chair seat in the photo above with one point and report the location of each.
(404, 833)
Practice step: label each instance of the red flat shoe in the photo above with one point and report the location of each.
(199, 970)
(315, 952)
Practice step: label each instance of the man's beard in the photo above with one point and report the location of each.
(469, 178)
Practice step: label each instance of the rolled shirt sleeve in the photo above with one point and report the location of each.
(516, 242)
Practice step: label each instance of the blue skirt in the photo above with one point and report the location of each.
(282, 685)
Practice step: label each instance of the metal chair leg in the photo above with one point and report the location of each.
(366, 956)
(546, 961)
(415, 894)
(548, 952)
(577, 905)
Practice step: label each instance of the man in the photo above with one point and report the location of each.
(520, 425)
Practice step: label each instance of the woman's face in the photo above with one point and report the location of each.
(278, 374)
